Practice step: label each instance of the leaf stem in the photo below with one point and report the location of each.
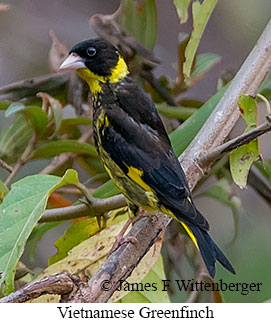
(267, 103)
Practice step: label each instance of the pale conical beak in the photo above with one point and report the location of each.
(72, 62)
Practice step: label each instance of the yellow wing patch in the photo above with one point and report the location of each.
(136, 174)
(190, 233)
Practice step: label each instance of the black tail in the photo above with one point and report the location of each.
(210, 251)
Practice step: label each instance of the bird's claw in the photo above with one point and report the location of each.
(120, 241)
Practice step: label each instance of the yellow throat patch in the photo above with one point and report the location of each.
(94, 80)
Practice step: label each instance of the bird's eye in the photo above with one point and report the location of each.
(91, 51)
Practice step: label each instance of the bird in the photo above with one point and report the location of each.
(134, 147)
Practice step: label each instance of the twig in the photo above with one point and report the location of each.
(57, 163)
(259, 185)
(61, 284)
(71, 190)
(15, 170)
(25, 157)
(6, 166)
(86, 193)
(234, 143)
(164, 93)
(99, 207)
(51, 84)
(64, 158)
(202, 276)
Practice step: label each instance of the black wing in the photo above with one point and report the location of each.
(136, 137)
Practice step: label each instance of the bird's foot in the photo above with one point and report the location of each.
(120, 241)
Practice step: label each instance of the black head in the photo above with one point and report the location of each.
(98, 55)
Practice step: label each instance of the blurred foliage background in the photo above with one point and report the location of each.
(233, 29)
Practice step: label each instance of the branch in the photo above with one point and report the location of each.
(6, 166)
(163, 92)
(52, 84)
(120, 264)
(61, 284)
(260, 186)
(202, 276)
(230, 145)
(23, 159)
(99, 207)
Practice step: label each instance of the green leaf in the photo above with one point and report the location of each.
(204, 62)
(128, 15)
(265, 87)
(184, 134)
(182, 9)
(35, 115)
(106, 190)
(56, 108)
(140, 19)
(182, 43)
(14, 139)
(4, 105)
(201, 13)
(180, 113)
(21, 209)
(53, 109)
(242, 158)
(71, 122)
(55, 148)
(78, 232)
(13, 108)
(90, 254)
(37, 118)
(147, 23)
(36, 236)
(153, 292)
(69, 126)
